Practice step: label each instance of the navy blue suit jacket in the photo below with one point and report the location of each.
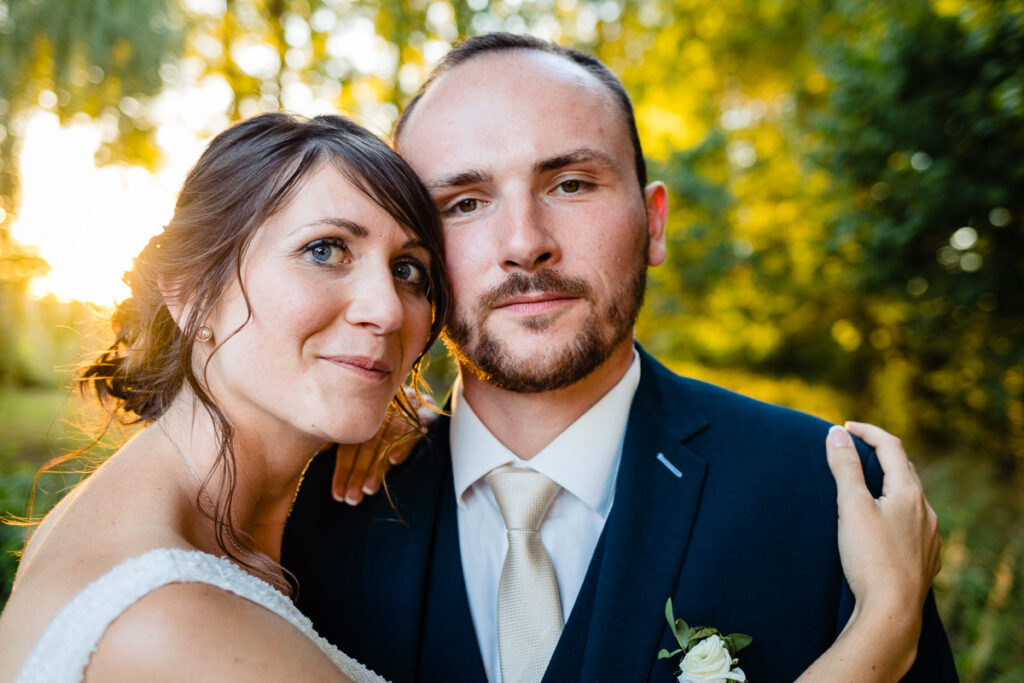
(740, 532)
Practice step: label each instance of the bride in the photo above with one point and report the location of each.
(297, 285)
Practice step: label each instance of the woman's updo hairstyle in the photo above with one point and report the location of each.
(244, 176)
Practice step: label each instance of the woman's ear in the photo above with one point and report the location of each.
(172, 299)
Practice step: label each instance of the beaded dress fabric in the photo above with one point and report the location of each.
(63, 652)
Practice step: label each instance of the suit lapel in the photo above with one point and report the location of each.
(449, 649)
(657, 495)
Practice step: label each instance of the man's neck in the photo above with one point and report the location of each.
(526, 423)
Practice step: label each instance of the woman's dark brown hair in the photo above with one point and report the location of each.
(246, 174)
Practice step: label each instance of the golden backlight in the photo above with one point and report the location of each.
(88, 222)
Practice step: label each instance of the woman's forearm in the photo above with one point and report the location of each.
(876, 646)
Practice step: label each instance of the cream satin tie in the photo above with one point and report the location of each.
(529, 609)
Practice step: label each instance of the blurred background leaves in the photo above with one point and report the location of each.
(847, 192)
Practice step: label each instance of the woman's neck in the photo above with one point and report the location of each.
(268, 464)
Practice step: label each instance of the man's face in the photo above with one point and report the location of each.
(547, 233)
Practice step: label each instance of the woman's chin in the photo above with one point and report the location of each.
(355, 430)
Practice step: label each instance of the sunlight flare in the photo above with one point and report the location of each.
(88, 222)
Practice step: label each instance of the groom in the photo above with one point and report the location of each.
(650, 485)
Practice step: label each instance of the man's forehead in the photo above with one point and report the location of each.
(519, 63)
(508, 107)
(515, 77)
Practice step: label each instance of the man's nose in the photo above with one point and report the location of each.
(374, 301)
(528, 242)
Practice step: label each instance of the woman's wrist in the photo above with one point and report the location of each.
(878, 645)
(889, 631)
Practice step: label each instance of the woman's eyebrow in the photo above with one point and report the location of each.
(351, 226)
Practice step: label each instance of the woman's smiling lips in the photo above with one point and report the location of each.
(534, 304)
(364, 366)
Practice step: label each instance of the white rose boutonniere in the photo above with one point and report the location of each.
(707, 655)
(709, 660)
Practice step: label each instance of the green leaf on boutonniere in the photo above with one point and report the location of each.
(737, 641)
(700, 634)
(688, 637)
(680, 629)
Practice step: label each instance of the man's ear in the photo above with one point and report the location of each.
(656, 198)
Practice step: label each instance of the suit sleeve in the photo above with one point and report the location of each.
(934, 656)
(934, 662)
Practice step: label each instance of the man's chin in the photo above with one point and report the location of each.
(530, 365)
(555, 327)
(529, 377)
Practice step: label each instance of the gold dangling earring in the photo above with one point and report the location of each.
(204, 333)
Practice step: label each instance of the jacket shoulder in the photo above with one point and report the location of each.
(719, 404)
(731, 425)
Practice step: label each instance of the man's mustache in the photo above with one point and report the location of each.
(543, 280)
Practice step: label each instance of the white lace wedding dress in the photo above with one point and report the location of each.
(63, 652)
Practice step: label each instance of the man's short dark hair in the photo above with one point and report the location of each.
(490, 43)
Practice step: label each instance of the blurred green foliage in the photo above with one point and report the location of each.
(847, 188)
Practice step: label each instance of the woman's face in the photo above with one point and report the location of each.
(338, 294)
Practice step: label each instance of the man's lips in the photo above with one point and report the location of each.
(365, 366)
(535, 303)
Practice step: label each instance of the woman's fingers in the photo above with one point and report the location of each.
(890, 547)
(845, 465)
(359, 469)
(400, 447)
(891, 456)
(397, 442)
(351, 464)
(903, 490)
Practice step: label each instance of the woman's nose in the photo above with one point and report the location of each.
(375, 302)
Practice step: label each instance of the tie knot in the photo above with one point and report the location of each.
(523, 496)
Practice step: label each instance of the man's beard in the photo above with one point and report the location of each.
(491, 359)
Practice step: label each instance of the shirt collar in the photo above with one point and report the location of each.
(584, 459)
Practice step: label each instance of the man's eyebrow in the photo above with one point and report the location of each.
(343, 223)
(473, 177)
(577, 156)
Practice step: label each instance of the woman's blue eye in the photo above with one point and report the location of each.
(327, 251)
(410, 272)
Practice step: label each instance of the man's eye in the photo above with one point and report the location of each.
(467, 205)
(327, 251)
(570, 186)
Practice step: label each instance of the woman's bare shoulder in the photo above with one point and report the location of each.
(103, 522)
(195, 631)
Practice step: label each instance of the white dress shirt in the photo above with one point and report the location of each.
(583, 460)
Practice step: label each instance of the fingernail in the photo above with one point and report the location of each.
(370, 486)
(353, 497)
(837, 436)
